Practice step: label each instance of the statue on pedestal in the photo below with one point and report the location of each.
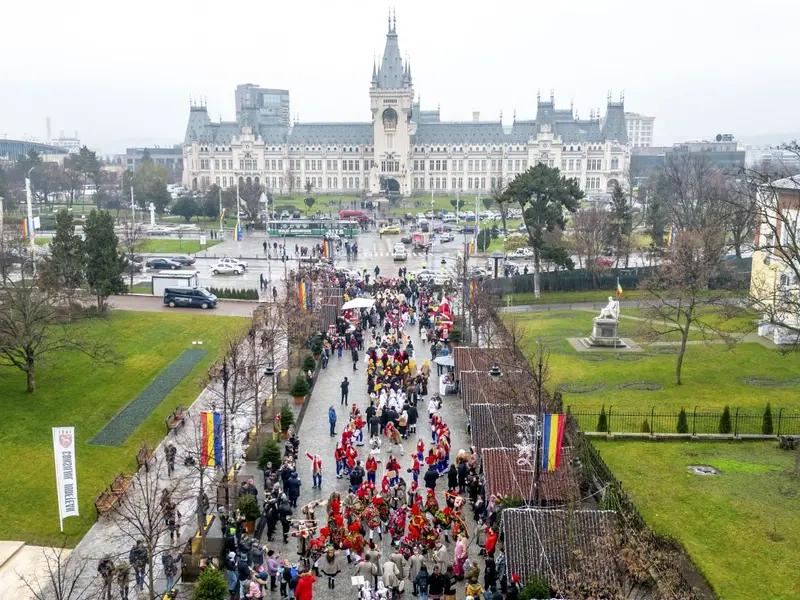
(152, 209)
(610, 310)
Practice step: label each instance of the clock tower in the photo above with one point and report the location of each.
(391, 98)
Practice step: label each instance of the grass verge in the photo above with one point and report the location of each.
(173, 246)
(74, 391)
(741, 528)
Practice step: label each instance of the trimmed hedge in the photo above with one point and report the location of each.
(235, 293)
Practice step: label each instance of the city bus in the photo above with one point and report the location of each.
(314, 228)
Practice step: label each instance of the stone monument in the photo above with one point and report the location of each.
(605, 327)
(152, 209)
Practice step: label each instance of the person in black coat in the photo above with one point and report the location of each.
(463, 470)
(431, 475)
(413, 415)
(452, 477)
(292, 488)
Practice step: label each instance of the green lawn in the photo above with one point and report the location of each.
(741, 528)
(712, 376)
(173, 246)
(73, 390)
(144, 287)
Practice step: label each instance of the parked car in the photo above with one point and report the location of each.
(429, 214)
(521, 253)
(443, 228)
(162, 263)
(604, 262)
(285, 215)
(446, 237)
(296, 214)
(223, 268)
(406, 239)
(189, 297)
(449, 218)
(184, 259)
(234, 262)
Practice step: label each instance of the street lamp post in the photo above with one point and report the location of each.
(226, 377)
(31, 229)
(269, 371)
(538, 466)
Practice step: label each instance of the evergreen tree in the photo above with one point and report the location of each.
(725, 420)
(602, 420)
(484, 239)
(620, 223)
(766, 422)
(105, 264)
(683, 424)
(64, 270)
(211, 585)
(545, 196)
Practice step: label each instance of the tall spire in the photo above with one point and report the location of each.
(391, 74)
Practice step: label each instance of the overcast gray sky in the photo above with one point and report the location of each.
(121, 73)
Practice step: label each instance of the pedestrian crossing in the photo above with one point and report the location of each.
(375, 254)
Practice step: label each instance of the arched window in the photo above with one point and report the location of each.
(390, 119)
(257, 181)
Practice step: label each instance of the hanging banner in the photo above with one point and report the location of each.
(66, 476)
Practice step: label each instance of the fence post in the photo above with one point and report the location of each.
(736, 424)
(652, 422)
(780, 414)
(694, 422)
(609, 419)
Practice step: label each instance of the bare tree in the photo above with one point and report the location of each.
(65, 576)
(775, 286)
(150, 514)
(590, 231)
(32, 329)
(132, 240)
(681, 301)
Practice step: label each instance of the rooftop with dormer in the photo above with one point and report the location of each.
(394, 73)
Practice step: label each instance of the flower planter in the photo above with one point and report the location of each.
(299, 399)
(317, 355)
(249, 526)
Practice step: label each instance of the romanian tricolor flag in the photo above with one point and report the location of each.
(222, 215)
(327, 249)
(552, 437)
(303, 293)
(619, 289)
(26, 229)
(211, 440)
(237, 233)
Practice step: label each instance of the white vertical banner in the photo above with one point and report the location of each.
(66, 476)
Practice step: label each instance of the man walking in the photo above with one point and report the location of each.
(106, 570)
(354, 355)
(345, 385)
(171, 452)
(262, 282)
(138, 560)
(265, 247)
(332, 420)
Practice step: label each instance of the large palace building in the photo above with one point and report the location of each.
(402, 148)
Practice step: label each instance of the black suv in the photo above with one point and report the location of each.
(183, 296)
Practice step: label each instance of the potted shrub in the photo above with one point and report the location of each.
(270, 454)
(316, 347)
(211, 585)
(250, 511)
(309, 363)
(299, 391)
(287, 420)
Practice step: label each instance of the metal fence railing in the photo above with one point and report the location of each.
(698, 422)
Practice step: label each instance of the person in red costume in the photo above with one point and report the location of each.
(304, 589)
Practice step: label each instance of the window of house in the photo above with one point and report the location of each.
(483, 164)
(460, 183)
(469, 183)
(454, 183)
(469, 165)
(577, 164)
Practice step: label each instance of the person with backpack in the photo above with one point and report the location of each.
(106, 569)
(421, 582)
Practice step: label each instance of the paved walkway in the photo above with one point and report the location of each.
(315, 439)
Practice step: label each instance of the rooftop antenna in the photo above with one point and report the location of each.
(609, 96)
(572, 106)
(552, 96)
(538, 96)
(622, 96)
(515, 115)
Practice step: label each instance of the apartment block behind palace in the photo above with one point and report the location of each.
(402, 148)
(774, 278)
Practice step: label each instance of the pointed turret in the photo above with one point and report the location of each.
(391, 74)
(374, 72)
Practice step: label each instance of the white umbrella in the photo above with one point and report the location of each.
(445, 361)
(358, 303)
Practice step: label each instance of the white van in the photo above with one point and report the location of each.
(399, 252)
